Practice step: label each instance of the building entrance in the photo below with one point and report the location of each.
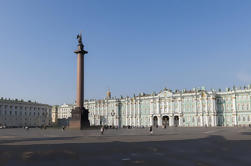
(165, 121)
(155, 121)
(176, 121)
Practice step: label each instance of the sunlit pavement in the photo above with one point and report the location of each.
(171, 146)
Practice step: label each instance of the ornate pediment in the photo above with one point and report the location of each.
(165, 94)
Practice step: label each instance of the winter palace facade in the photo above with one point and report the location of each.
(194, 108)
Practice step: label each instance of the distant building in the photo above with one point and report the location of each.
(193, 108)
(64, 114)
(54, 114)
(18, 113)
(64, 111)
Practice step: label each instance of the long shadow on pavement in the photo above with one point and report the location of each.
(211, 151)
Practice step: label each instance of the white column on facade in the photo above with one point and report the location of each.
(206, 110)
(180, 112)
(171, 118)
(151, 106)
(106, 108)
(213, 121)
(151, 120)
(180, 120)
(234, 110)
(117, 115)
(179, 104)
(102, 109)
(134, 112)
(171, 106)
(214, 111)
(167, 106)
(98, 114)
(196, 111)
(159, 121)
(98, 109)
(158, 107)
(126, 113)
(162, 107)
(139, 113)
(130, 107)
(201, 113)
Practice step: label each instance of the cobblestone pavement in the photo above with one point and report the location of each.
(171, 146)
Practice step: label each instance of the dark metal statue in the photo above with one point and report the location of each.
(79, 37)
(80, 44)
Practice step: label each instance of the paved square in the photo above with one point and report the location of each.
(171, 146)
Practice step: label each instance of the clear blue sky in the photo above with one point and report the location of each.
(134, 46)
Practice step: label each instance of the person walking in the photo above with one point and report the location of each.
(151, 130)
(102, 130)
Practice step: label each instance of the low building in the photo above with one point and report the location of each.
(64, 114)
(19, 113)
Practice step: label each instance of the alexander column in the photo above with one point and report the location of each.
(79, 118)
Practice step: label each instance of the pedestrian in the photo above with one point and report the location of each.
(63, 128)
(151, 130)
(102, 130)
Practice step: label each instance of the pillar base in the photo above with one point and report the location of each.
(79, 119)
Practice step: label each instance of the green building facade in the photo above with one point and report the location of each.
(194, 108)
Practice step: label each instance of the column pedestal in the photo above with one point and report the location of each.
(79, 119)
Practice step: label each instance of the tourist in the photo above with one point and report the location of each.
(102, 130)
(151, 130)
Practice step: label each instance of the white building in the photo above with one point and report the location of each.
(54, 114)
(64, 111)
(18, 113)
(194, 108)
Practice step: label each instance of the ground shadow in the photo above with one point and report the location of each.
(246, 133)
(213, 150)
(5, 141)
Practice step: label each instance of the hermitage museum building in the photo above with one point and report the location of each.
(194, 108)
